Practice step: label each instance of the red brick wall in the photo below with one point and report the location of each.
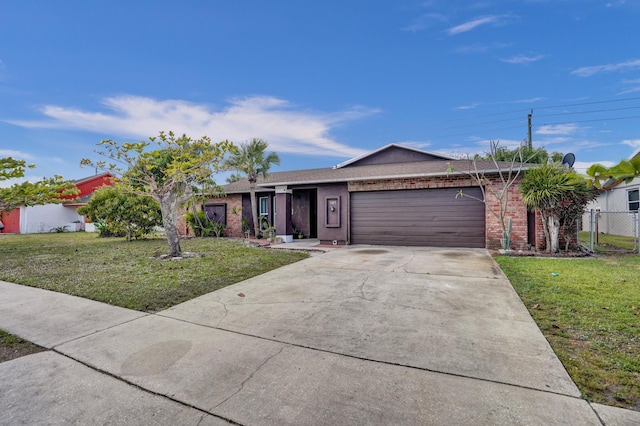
(410, 183)
(541, 241)
(234, 222)
(517, 210)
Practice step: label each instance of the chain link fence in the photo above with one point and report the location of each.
(610, 232)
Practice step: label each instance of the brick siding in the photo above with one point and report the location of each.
(541, 240)
(234, 221)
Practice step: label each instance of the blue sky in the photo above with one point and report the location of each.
(321, 81)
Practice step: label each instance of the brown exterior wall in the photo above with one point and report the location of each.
(516, 210)
(329, 234)
(303, 212)
(394, 155)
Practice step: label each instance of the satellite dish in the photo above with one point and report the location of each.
(568, 159)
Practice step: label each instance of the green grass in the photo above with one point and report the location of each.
(609, 242)
(9, 339)
(128, 274)
(12, 347)
(590, 314)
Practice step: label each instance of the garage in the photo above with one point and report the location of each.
(421, 217)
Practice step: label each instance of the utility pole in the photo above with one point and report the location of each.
(530, 140)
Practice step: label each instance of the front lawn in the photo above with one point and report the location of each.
(589, 311)
(128, 274)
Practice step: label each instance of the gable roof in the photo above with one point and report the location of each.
(93, 177)
(386, 155)
(87, 186)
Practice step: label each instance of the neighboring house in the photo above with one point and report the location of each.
(38, 219)
(395, 195)
(619, 207)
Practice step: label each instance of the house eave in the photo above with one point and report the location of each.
(376, 177)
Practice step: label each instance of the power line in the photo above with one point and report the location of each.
(594, 120)
(588, 112)
(485, 126)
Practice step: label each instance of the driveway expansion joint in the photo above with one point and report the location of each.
(143, 389)
(377, 361)
(597, 415)
(145, 314)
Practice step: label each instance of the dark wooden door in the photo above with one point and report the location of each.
(422, 217)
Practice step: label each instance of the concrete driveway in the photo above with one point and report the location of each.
(359, 335)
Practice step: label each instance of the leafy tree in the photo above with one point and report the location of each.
(570, 209)
(54, 190)
(522, 154)
(559, 194)
(234, 177)
(252, 161)
(179, 169)
(608, 177)
(123, 213)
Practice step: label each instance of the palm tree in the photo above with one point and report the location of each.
(548, 189)
(252, 161)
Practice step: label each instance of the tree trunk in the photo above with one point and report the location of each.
(254, 211)
(169, 209)
(545, 229)
(554, 232)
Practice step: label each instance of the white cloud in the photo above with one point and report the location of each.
(597, 69)
(582, 166)
(522, 59)
(517, 101)
(275, 120)
(424, 21)
(479, 146)
(468, 26)
(469, 106)
(480, 48)
(529, 100)
(416, 144)
(19, 155)
(633, 143)
(634, 89)
(557, 129)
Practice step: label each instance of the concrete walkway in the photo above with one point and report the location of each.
(358, 335)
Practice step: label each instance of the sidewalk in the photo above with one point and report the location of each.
(321, 341)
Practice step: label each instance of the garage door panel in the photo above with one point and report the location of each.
(431, 217)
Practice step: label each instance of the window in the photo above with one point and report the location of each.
(634, 199)
(274, 209)
(264, 206)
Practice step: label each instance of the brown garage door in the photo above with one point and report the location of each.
(421, 217)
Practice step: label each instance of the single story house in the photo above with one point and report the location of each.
(396, 195)
(39, 219)
(617, 207)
